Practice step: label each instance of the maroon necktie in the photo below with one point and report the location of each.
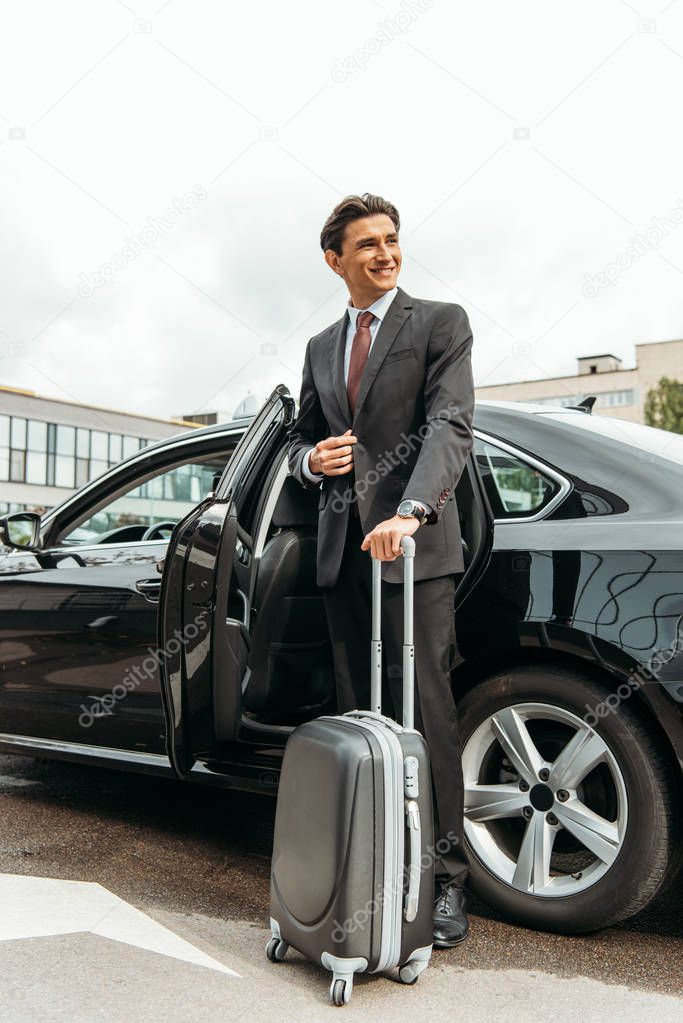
(359, 356)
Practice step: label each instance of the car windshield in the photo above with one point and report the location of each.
(663, 443)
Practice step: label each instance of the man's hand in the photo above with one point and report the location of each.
(334, 455)
(384, 540)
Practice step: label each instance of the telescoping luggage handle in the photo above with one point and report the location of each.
(411, 786)
(408, 548)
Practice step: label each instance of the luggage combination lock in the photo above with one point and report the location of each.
(410, 771)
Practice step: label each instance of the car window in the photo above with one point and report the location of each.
(251, 459)
(514, 487)
(160, 501)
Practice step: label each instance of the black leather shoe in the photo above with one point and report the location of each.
(450, 921)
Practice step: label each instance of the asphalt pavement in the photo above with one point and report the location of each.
(127, 897)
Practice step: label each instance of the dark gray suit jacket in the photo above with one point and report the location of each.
(413, 421)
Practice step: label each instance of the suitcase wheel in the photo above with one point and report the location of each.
(276, 949)
(407, 975)
(410, 971)
(340, 991)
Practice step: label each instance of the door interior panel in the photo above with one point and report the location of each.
(291, 675)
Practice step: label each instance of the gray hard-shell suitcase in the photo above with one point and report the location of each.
(352, 873)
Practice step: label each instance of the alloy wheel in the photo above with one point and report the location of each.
(545, 800)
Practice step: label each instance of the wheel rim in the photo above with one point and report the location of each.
(545, 800)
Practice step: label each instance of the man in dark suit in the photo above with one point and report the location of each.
(384, 430)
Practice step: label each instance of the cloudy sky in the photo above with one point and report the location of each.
(166, 168)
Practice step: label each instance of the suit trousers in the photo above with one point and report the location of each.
(348, 609)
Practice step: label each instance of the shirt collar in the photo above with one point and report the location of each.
(379, 307)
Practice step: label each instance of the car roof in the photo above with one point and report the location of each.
(230, 426)
(243, 422)
(485, 412)
(528, 407)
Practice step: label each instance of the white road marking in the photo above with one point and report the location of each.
(34, 907)
(7, 781)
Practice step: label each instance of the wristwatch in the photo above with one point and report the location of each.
(409, 508)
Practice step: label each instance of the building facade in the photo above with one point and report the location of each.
(620, 392)
(49, 447)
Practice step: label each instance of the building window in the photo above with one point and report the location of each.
(36, 467)
(81, 471)
(66, 440)
(58, 455)
(130, 446)
(99, 445)
(64, 471)
(115, 447)
(17, 466)
(8, 507)
(564, 401)
(603, 399)
(37, 435)
(82, 443)
(18, 433)
(614, 399)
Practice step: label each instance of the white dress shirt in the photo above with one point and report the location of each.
(379, 309)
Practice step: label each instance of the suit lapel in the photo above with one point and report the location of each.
(396, 315)
(338, 343)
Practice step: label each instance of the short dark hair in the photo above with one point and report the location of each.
(353, 207)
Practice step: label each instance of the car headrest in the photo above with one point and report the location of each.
(296, 505)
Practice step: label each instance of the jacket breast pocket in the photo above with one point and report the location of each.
(400, 353)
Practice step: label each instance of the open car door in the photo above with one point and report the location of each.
(203, 624)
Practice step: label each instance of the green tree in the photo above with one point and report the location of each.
(664, 405)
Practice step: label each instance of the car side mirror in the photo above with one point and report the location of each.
(21, 531)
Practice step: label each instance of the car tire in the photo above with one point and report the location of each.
(635, 776)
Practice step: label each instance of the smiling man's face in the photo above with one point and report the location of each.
(370, 259)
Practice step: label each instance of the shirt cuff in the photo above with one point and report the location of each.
(314, 477)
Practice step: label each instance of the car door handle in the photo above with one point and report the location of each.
(149, 588)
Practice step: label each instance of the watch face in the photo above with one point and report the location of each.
(407, 507)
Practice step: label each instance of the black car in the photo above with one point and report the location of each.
(175, 596)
